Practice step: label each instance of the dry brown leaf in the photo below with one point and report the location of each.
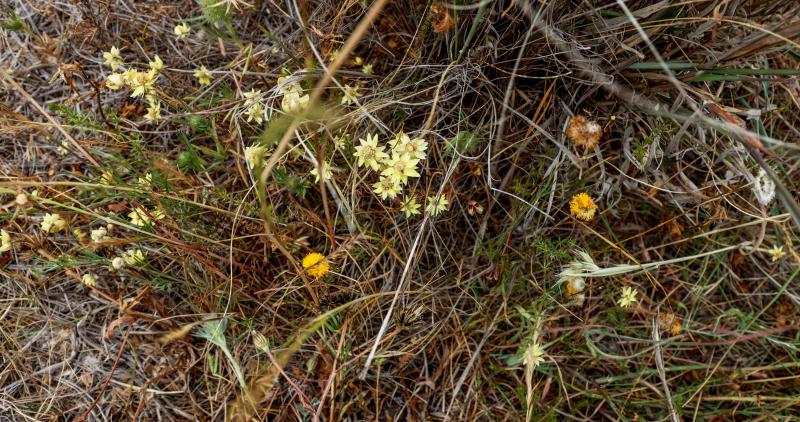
(441, 19)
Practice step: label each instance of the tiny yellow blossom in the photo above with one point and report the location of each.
(140, 217)
(133, 257)
(351, 94)
(141, 82)
(413, 147)
(582, 206)
(534, 355)
(410, 206)
(181, 30)
(255, 113)
(437, 205)
(387, 187)
(157, 64)
(254, 155)
(146, 182)
(627, 297)
(153, 110)
(400, 167)
(203, 76)
(89, 280)
(293, 102)
(113, 59)
(369, 153)
(5, 241)
(776, 252)
(315, 265)
(367, 69)
(53, 223)
(99, 235)
(326, 172)
(115, 81)
(106, 178)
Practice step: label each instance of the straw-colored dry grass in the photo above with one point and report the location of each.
(465, 315)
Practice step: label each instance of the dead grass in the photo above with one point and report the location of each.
(422, 318)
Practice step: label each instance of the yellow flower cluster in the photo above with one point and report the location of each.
(254, 106)
(140, 83)
(141, 217)
(5, 241)
(582, 206)
(293, 98)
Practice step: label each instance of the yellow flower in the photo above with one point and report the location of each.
(351, 94)
(153, 110)
(254, 155)
(255, 112)
(582, 206)
(106, 178)
(112, 58)
(326, 172)
(288, 88)
(140, 217)
(293, 102)
(203, 76)
(367, 69)
(387, 187)
(133, 257)
(776, 252)
(437, 205)
(89, 280)
(157, 64)
(400, 167)
(410, 206)
(141, 82)
(99, 235)
(534, 355)
(181, 30)
(115, 81)
(146, 181)
(369, 153)
(315, 265)
(117, 263)
(53, 223)
(5, 241)
(627, 297)
(413, 147)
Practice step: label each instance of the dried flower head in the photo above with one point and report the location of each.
(582, 206)
(117, 263)
(764, 188)
(584, 132)
(575, 286)
(99, 235)
(315, 265)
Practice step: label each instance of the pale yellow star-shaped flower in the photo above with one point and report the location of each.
(113, 59)
(387, 188)
(369, 153)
